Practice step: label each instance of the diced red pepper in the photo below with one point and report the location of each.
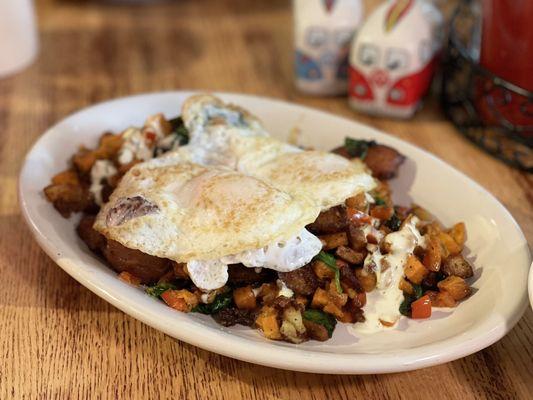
(421, 308)
(174, 300)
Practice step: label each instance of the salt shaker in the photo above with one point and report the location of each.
(323, 31)
(394, 56)
(18, 35)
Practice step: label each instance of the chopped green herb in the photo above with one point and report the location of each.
(379, 201)
(358, 147)
(331, 263)
(405, 307)
(157, 290)
(179, 129)
(328, 321)
(222, 301)
(419, 292)
(394, 223)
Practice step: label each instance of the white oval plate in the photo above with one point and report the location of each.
(496, 246)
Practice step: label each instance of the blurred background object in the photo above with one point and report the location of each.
(394, 57)
(18, 35)
(323, 31)
(488, 77)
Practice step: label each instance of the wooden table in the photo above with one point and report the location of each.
(58, 340)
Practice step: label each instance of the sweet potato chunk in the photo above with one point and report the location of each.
(415, 270)
(244, 298)
(458, 233)
(267, 321)
(455, 286)
(452, 248)
(432, 256)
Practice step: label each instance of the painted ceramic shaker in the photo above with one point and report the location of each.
(323, 31)
(393, 58)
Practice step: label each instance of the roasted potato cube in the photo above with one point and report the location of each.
(432, 256)
(458, 233)
(455, 286)
(334, 240)
(382, 213)
(414, 270)
(406, 286)
(358, 202)
(451, 245)
(322, 271)
(244, 298)
(458, 266)
(349, 255)
(356, 238)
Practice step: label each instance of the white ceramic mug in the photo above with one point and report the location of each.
(18, 35)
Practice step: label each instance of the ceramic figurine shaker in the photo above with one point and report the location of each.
(393, 58)
(323, 31)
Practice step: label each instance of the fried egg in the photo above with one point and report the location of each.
(223, 134)
(208, 217)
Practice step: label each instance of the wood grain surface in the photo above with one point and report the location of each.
(58, 340)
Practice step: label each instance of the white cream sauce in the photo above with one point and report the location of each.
(101, 169)
(389, 269)
(283, 256)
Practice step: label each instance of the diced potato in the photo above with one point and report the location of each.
(268, 292)
(406, 287)
(443, 299)
(109, 146)
(244, 298)
(68, 177)
(432, 229)
(432, 256)
(267, 321)
(322, 271)
(422, 213)
(358, 202)
(84, 160)
(333, 309)
(320, 298)
(458, 233)
(450, 244)
(382, 213)
(292, 326)
(458, 266)
(301, 300)
(349, 255)
(414, 270)
(334, 240)
(366, 278)
(455, 286)
(335, 297)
